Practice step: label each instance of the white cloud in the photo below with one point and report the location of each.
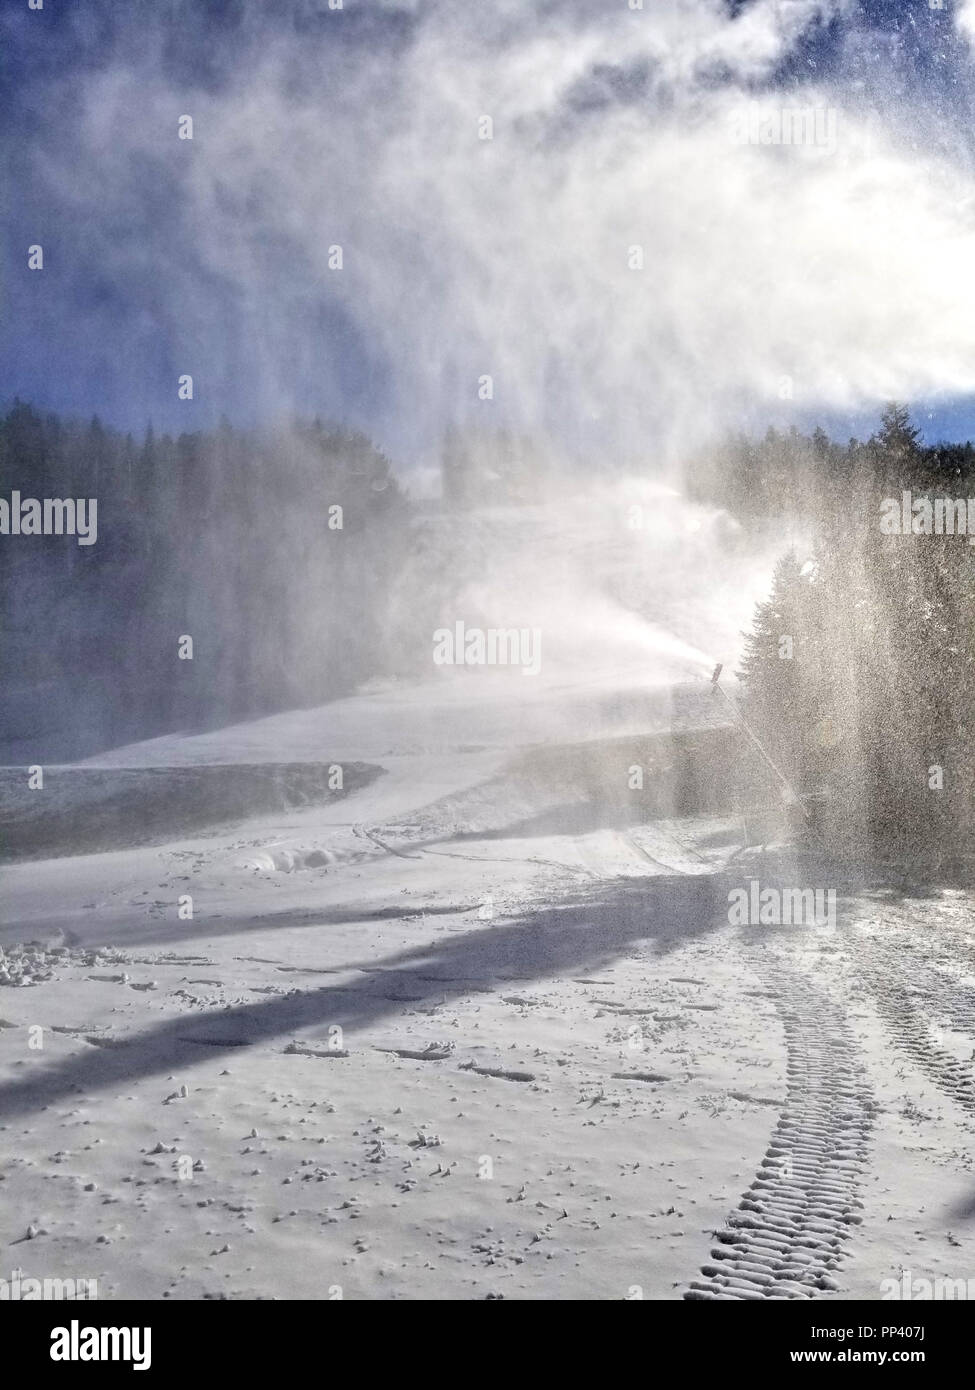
(965, 17)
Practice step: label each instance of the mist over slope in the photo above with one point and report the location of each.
(237, 573)
(628, 583)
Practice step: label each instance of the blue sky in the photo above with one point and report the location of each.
(96, 332)
(208, 257)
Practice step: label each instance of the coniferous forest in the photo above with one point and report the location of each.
(859, 670)
(270, 550)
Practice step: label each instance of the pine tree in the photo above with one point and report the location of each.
(771, 667)
(896, 446)
(897, 436)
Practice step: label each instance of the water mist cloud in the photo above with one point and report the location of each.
(546, 196)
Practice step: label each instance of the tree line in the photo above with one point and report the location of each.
(274, 551)
(859, 670)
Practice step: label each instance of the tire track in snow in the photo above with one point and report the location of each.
(913, 997)
(793, 1224)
